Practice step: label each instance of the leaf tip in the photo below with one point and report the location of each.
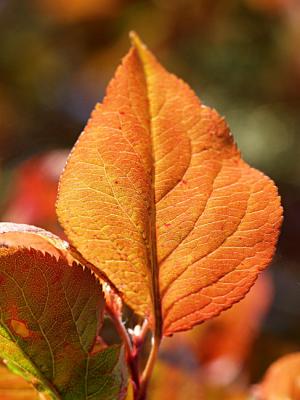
(136, 41)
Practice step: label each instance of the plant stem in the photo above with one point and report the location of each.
(122, 332)
(133, 348)
(146, 375)
(131, 354)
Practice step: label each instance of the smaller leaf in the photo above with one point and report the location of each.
(50, 315)
(282, 379)
(23, 235)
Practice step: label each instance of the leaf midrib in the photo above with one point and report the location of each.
(152, 220)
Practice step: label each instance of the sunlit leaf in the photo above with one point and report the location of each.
(23, 235)
(156, 196)
(50, 314)
(282, 379)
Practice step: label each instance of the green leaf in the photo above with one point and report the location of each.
(50, 314)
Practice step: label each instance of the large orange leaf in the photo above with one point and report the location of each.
(282, 379)
(156, 196)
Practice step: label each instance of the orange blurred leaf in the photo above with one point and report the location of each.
(222, 345)
(227, 340)
(156, 196)
(271, 6)
(33, 191)
(282, 379)
(170, 382)
(13, 387)
(77, 10)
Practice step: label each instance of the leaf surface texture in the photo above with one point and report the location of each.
(156, 196)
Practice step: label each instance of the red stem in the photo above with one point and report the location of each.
(132, 348)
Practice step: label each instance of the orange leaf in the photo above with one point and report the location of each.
(22, 235)
(32, 195)
(227, 340)
(223, 344)
(282, 379)
(13, 387)
(271, 6)
(78, 10)
(171, 382)
(156, 196)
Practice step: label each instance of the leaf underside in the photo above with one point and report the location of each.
(156, 196)
(50, 315)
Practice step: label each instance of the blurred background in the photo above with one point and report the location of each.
(242, 57)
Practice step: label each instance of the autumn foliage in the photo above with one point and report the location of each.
(161, 214)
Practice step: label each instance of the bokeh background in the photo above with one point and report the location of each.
(240, 56)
